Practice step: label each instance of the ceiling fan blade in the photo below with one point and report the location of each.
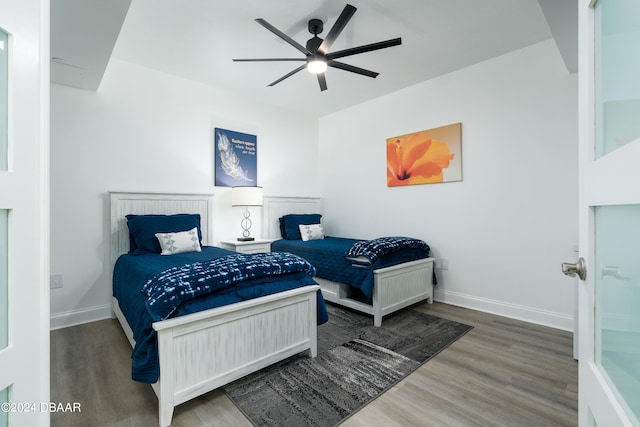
(323, 82)
(302, 67)
(357, 70)
(364, 48)
(334, 32)
(283, 36)
(268, 59)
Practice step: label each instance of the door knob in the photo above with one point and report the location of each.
(579, 268)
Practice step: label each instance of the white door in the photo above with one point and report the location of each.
(609, 217)
(24, 248)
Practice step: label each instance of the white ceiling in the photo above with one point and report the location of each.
(197, 40)
(83, 33)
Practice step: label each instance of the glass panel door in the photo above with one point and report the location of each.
(24, 195)
(4, 415)
(616, 227)
(617, 294)
(4, 285)
(609, 212)
(4, 163)
(617, 67)
(4, 213)
(4, 242)
(4, 103)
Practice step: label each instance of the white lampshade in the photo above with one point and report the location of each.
(246, 196)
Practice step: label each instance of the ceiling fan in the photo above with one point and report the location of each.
(317, 56)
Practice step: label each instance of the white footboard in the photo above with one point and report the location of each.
(394, 288)
(203, 351)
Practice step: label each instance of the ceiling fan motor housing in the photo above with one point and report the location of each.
(315, 26)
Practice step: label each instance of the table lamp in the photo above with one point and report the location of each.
(246, 196)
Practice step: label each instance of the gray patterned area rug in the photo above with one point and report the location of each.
(356, 362)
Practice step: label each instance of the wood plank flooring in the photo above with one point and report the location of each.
(502, 373)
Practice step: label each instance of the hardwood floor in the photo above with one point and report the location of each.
(502, 373)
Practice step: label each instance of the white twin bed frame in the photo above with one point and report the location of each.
(203, 351)
(394, 287)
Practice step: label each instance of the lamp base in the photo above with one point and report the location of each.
(246, 239)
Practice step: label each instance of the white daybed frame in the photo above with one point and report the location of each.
(394, 287)
(206, 350)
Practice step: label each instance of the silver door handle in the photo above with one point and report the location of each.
(579, 268)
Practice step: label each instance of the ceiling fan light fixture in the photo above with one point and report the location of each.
(317, 66)
(318, 54)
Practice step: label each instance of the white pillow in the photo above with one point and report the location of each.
(179, 242)
(311, 232)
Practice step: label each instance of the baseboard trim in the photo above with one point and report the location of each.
(501, 308)
(78, 317)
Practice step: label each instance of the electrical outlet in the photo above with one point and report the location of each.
(55, 281)
(444, 264)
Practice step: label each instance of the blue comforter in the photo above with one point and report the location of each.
(176, 285)
(132, 285)
(329, 257)
(368, 252)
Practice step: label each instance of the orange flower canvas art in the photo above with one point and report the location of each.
(425, 157)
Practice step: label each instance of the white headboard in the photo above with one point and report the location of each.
(275, 207)
(125, 203)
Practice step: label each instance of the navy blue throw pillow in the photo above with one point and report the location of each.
(291, 223)
(143, 229)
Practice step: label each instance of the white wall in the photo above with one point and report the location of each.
(148, 131)
(509, 224)
(505, 228)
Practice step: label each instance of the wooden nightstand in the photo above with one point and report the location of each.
(252, 247)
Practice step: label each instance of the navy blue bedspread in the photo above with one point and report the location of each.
(367, 252)
(132, 272)
(328, 256)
